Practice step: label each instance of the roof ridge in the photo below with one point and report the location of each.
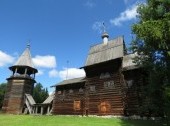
(112, 39)
(105, 49)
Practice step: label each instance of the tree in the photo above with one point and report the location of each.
(39, 93)
(152, 44)
(2, 93)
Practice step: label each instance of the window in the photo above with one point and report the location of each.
(92, 88)
(104, 107)
(59, 92)
(109, 84)
(77, 105)
(81, 90)
(129, 83)
(70, 91)
(104, 75)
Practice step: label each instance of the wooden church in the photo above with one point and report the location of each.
(111, 86)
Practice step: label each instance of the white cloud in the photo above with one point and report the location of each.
(71, 73)
(5, 59)
(40, 72)
(98, 26)
(44, 61)
(130, 2)
(53, 73)
(127, 15)
(90, 4)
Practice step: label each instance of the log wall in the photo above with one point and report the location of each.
(69, 100)
(107, 99)
(14, 97)
(108, 90)
(134, 83)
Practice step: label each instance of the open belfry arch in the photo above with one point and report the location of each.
(21, 82)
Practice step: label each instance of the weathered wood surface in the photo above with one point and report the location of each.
(133, 92)
(107, 91)
(64, 102)
(105, 100)
(14, 97)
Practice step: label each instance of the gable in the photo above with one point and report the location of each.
(104, 52)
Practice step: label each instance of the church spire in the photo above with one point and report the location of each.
(28, 45)
(105, 35)
(25, 59)
(24, 65)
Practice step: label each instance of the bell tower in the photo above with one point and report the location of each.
(21, 82)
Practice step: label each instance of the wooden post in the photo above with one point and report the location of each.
(41, 110)
(33, 74)
(32, 109)
(25, 72)
(48, 109)
(16, 71)
(36, 109)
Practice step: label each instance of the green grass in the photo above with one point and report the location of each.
(31, 120)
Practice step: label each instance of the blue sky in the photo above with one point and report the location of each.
(60, 33)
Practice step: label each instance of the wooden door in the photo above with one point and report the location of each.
(104, 108)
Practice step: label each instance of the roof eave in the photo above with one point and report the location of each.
(24, 66)
(100, 63)
(67, 84)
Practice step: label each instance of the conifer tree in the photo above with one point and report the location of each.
(2, 93)
(40, 93)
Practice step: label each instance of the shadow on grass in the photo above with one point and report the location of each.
(130, 122)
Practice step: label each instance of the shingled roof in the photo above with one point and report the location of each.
(49, 99)
(25, 59)
(128, 63)
(71, 81)
(99, 53)
(104, 52)
(30, 99)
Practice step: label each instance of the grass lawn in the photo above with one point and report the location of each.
(33, 120)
